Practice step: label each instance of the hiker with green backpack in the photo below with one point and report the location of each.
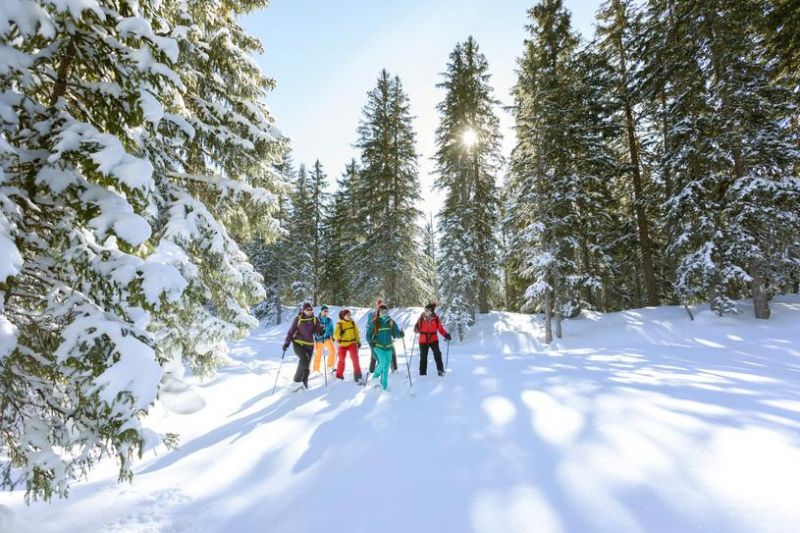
(372, 315)
(381, 332)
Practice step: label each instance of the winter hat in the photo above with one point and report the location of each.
(307, 306)
(323, 308)
(430, 307)
(378, 303)
(343, 313)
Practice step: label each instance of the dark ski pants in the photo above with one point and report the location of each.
(423, 358)
(374, 359)
(304, 355)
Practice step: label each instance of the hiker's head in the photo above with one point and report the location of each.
(307, 309)
(383, 310)
(379, 303)
(345, 314)
(428, 310)
(323, 310)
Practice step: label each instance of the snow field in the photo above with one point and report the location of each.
(635, 421)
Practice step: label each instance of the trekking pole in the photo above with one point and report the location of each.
(278, 374)
(412, 351)
(447, 357)
(408, 363)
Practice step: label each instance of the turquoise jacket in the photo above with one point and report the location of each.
(327, 329)
(383, 332)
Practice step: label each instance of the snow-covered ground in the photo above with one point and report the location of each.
(636, 421)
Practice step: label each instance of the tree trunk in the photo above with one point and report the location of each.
(645, 243)
(548, 313)
(557, 303)
(760, 297)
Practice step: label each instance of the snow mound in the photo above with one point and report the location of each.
(179, 397)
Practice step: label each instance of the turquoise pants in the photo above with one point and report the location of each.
(382, 370)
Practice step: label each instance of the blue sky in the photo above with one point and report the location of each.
(325, 55)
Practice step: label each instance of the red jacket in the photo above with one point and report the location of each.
(428, 328)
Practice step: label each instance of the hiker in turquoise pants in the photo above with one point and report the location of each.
(382, 330)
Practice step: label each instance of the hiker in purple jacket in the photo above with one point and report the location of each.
(301, 336)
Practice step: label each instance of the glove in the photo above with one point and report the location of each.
(448, 337)
(358, 345)
(285, 346)
(402, 334)
(416, 329)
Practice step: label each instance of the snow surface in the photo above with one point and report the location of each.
(636, 421)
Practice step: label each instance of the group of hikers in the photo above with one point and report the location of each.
(310, 335)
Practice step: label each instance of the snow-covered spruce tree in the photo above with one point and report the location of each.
(784, 40)
(429, 255)
(98, 257)
(617, 32)
(468, 160)
(601, 239)
(734, 206)
(387, 196)
(340, 236)
(300, 234)
(541, 189)
(269, 258)
(319, 214)
(215, 153)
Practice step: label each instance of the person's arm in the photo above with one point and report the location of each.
(358, 334)
(416, 325)
(337, 332)
(442, 330)
(290, 333)
(396, 332)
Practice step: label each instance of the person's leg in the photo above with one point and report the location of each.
(340, 363)
(437, 355)
(356, 365)
(301, 373)
(317, 355)
(331, 352)
(309, 354)
(373, 358)
(423, 359)
(382, 370)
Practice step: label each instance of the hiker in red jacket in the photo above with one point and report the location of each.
(429, 326)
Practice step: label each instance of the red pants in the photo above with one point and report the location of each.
(353, 349)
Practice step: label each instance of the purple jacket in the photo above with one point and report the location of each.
(303, 329)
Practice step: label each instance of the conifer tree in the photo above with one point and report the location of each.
(388, 193)
(734, 201)
(616, 35)
(115, 264)
(468, 161)
(341, 234)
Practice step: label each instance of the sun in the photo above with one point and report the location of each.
(469, 138)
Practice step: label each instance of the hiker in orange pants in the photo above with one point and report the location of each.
(324, 341)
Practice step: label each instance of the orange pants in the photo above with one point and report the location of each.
(318, 347)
